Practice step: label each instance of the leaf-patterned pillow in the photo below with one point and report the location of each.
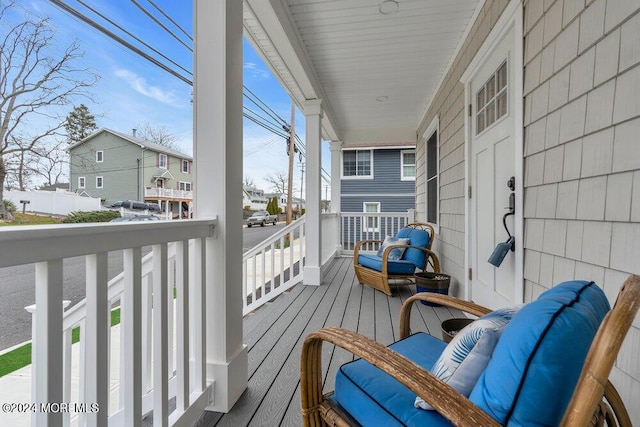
(395, 253)
(468, 353)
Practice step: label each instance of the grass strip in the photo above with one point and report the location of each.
(21, 356)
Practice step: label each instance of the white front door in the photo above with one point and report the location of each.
(492, 150)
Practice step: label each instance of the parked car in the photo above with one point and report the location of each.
(261, 218)
(133, 205)
(136, 218)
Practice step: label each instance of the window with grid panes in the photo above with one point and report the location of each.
(491, 100)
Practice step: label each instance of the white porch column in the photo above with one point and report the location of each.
(218, 182)
(313, 252)
(336, 191)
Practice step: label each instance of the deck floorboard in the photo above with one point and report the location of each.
(275, 333)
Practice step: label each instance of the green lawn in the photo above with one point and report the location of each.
(29, 219)
(21, 356)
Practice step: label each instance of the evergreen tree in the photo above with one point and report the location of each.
(80, 123)
(272, 206)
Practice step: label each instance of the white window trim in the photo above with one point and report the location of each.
(83, 180)
(343, 176)
(365, 226)
(184, 184)
(101, 178)
(185, 162)
(166, 161)
(434, 127)
(402, 165)
(101, 154)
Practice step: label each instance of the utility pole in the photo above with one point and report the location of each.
(292, 140)
(301, 185)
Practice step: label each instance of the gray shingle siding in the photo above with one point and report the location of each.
(386, 186)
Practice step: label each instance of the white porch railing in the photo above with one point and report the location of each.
(168, 193)
(151, 370)
(357, 226)
(273, 266)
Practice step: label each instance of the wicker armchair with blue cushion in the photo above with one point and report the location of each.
(397, 258)
(546, 363)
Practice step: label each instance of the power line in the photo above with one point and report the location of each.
(171, 20)
(119, 39)
(134, 37)
(263, 103)
(154, 19)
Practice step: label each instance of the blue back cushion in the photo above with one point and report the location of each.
(416, 238)
(536, 364)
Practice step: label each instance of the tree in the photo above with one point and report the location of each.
(272, 206)
(279, 182)
(80, 124)
(37, 77)
(158, 134)
(248, 182)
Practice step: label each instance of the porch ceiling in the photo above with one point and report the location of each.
(350, 55)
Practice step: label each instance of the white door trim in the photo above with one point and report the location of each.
(512, 17)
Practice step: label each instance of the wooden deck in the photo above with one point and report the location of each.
(275, 332)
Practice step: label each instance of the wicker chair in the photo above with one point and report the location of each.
(380, 278)
(594, 400)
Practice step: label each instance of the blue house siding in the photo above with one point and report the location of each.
(386, 176)
(386, 188)
(388, 203)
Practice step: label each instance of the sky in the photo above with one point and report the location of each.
(132, 91)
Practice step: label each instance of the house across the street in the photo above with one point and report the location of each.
(115, 166)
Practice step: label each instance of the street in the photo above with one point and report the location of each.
(18, 286)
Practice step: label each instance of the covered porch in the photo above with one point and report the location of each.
(274, 334)
(374, 72)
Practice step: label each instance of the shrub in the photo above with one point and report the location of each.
(9, 206)
(91, 216)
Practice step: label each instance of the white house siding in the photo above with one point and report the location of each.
(448, 106)
(582, 153)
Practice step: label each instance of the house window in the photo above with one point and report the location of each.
(185, 166)
(99, 156)
(163, 161)
(408, 165)
(82, 182)
(99, 182)
(432, 178)
(491, 100)
(184, 186)
(357, 163)
(371, 223)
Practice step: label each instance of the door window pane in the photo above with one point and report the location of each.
(492, 99)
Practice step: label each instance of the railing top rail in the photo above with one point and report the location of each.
(402, 214)
(29, 244)
(266, 243)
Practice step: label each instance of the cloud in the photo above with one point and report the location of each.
(140, 85)
(255, 71)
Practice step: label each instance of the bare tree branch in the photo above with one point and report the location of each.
(37, 83)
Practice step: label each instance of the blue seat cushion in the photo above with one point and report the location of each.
(537, 361)
(417, 238)
(374, 398)
(398, 266)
